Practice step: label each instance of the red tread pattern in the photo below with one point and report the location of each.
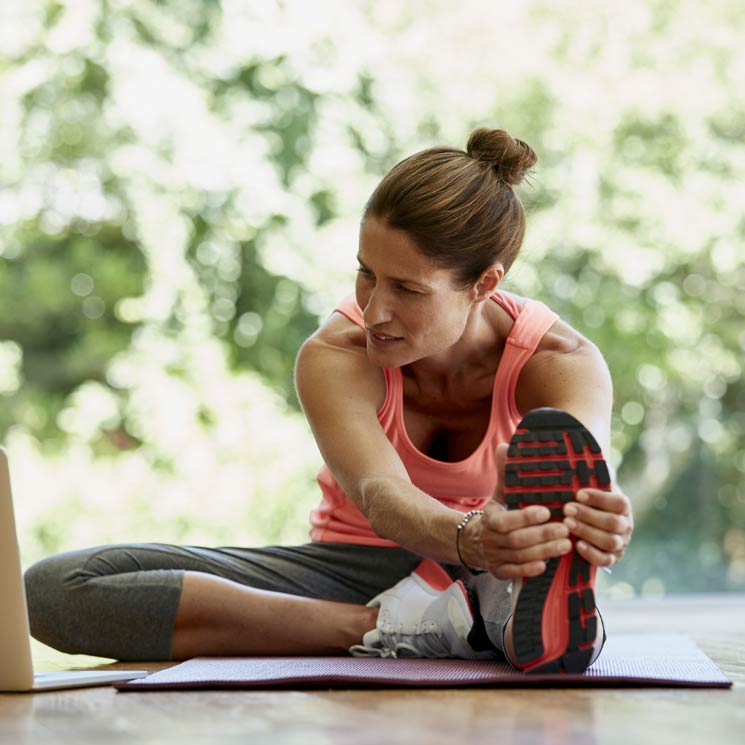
(550, 458)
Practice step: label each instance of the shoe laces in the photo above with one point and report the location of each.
(426, 640)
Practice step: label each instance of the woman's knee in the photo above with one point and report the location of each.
(115, 601)
(56, 604)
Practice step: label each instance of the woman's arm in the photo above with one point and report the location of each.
(569, 373)
(341, 393)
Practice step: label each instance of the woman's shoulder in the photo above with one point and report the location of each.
(560, 355)
(335, 358)
(338, 350)
(337, 335)
(565, 360)
(560, 339)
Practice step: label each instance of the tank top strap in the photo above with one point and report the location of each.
(349, 308)
(532, 323)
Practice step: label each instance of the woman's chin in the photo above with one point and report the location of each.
(390, 356)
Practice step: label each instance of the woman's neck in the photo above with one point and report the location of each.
(475, 355)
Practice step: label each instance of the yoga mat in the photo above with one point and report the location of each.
(626, 660)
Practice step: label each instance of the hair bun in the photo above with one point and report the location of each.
(510, 158)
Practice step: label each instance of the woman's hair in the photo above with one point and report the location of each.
(459, 207)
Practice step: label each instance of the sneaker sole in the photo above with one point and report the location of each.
(550, 458)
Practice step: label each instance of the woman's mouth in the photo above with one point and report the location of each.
(380, 339)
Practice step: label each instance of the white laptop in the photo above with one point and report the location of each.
(16, 669)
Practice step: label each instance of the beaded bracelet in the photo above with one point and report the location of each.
(461, 525)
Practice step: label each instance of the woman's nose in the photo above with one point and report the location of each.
(377, 310)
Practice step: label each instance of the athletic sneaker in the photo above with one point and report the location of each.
(550, 458)
(424, 615)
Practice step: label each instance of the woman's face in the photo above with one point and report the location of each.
(409, 304)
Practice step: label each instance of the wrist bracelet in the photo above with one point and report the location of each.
(461, 525)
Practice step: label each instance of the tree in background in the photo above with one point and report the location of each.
(180, 191)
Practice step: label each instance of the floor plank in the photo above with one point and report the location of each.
(625, 716)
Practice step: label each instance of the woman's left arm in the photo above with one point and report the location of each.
(568, 372)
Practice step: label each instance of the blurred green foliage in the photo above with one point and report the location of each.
(180, 187)
(58, 300)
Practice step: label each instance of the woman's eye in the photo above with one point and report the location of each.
(364, 272)
(403, 288)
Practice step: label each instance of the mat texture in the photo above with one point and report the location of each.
(627, 660)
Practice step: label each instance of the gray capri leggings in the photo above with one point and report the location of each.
(121, 600)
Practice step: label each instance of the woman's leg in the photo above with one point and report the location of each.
(155, 601)
(493, 603)
(217, 616)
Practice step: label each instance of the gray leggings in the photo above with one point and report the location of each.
(120, 601)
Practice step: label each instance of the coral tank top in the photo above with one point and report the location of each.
(462, 485)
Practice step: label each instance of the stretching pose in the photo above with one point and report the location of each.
(465, 503)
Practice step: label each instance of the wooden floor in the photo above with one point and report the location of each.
(383, 717)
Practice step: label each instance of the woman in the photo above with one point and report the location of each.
(413, 388)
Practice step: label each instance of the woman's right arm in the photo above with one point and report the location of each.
(341, 393)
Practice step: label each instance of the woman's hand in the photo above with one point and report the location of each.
(517, 543)
(602, 522)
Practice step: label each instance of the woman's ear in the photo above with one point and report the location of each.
(489, 281)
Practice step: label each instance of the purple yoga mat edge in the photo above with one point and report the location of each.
(539, 681)
(340, 683)
(488, 679)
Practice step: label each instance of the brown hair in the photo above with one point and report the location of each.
(459, 207)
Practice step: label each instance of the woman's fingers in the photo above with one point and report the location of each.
(519, 571)
(542, 551)
(609, 522)
(600, 539)
(595, 556)
(602, 522)
(608, 501)
(527, 537)
(500, 520)
(517, 543)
